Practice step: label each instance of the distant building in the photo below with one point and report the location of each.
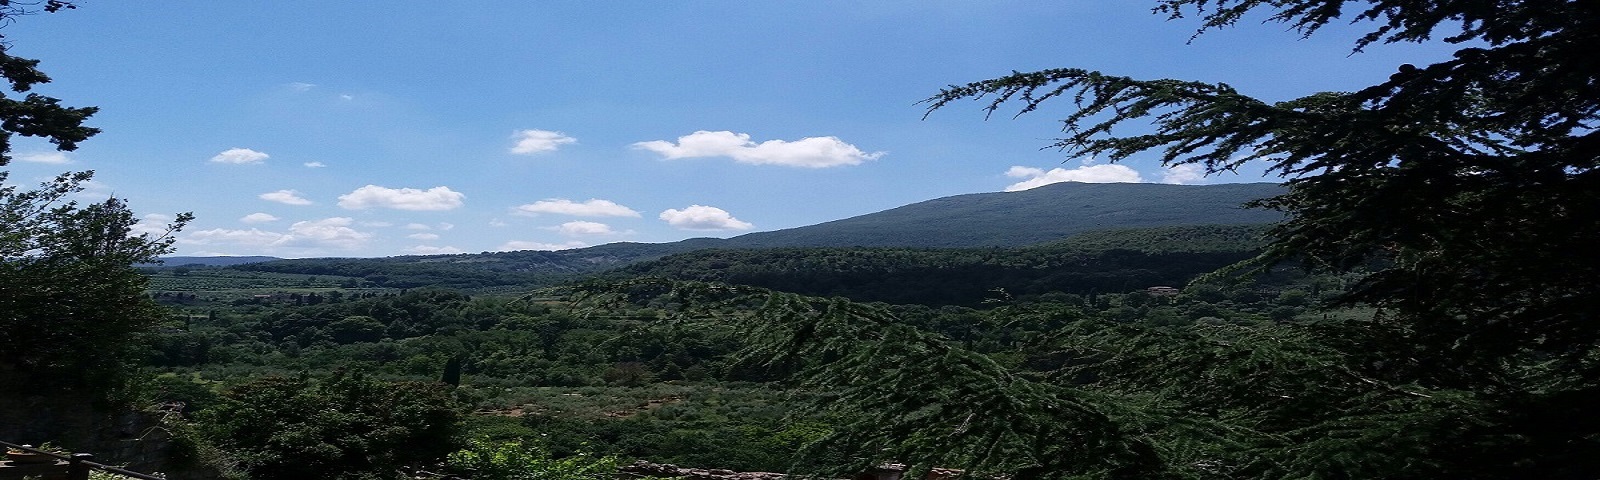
(1163, 291)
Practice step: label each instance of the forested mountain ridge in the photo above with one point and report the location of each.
(1043, 214)
(218, 261)
(1092, 262)
(1004, 219)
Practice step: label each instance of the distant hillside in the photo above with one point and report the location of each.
(1044, 214)
(210, 261)
(1010, 219)
(475, 270)
(1101, 261)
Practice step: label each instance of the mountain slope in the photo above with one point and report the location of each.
(1011, 219)
(1044, 214)
(1099, 261)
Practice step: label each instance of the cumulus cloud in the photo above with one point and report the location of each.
(423, 236)
(258, 217)
(526, 245)
(533, 142)
(53, 158)
(594, 207)
(578, 228)
(255, 238)
(312, 234)
(331, 232)
(1187, 173)
(286, 197)
(810, 152)
(417, 226)
(314, 164)
(240, 156)
(153, 224)
(701, 217)
(1036, 177)
(433, 199)
(432, 250)
(94, 191)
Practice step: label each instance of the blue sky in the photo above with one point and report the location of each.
(364, 128)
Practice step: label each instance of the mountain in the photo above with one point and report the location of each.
(1010, 219)
(1044, 214)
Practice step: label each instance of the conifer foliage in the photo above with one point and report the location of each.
(1469, 186)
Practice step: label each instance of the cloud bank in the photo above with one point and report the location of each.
(701, 217)
(581, 228)
(1036, 177)
(373, 196)
(313, 234)
(258, 217)
(809, 152)
(286, 197)
(52, 158)
(526, 245)
(534, 142)
(1186, 174)
(593, 207)
(240, 156)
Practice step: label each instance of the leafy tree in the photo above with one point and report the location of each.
(527, 460)
(346, 426)
(70, 301)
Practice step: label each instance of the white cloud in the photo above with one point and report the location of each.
(495, 222)
(417, 226)
(287, 197)
(701, 217)
(423, 236)
(1087, 174)
(258, 217)
(153, 224)
(533, 142)
(240, 156)
(432, 250)
(94, 191)
(329, 232)
(578, 228)
(247, 238)
(810, 152)
(436, 198)
(377, 224)
(314, 164)
(592, 208)
(525, 245)
(446, 225)
(301, 86)
(53, 158)
(1187, 173)
(315, 234)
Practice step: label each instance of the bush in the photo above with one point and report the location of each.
(526, 460)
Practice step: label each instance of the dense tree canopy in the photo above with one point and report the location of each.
(1470, 180)
(69, 297)
(1462, 191)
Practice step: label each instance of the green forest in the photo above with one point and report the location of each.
(1408, 317)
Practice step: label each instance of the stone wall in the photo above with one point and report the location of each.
(138, 440)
